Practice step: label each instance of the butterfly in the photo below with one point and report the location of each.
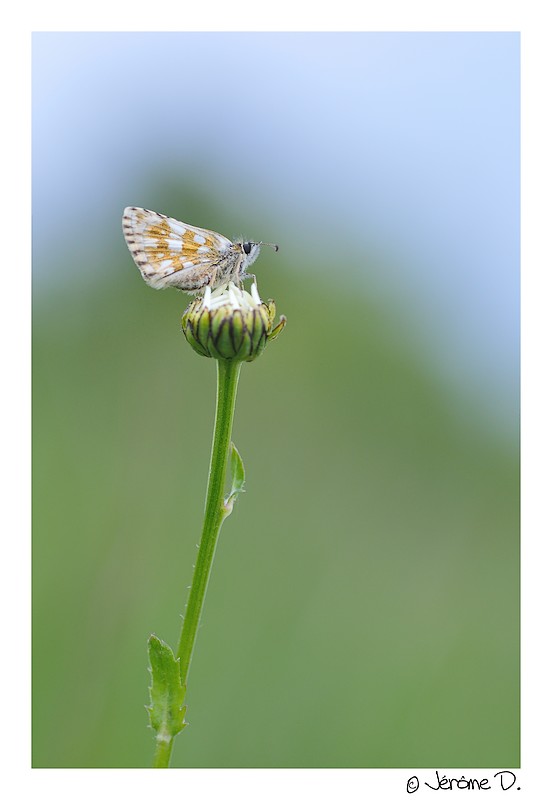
(172, 253)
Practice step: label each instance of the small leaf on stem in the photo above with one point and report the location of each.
(166, 711)
(237, 472)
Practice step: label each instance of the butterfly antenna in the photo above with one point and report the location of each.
(269, 244)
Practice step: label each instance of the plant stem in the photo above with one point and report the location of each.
(228, 373)
(163, 750)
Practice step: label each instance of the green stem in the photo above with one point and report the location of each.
(228, 373)
(163, 750)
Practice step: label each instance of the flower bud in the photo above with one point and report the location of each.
(230, 323)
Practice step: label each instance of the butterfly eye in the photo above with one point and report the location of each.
(246, 248)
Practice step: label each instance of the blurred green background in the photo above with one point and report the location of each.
(363, 607)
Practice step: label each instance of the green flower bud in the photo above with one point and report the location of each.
(231, 324)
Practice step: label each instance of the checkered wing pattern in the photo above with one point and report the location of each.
(172, 253)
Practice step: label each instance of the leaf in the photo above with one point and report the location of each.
(167, 709)
(237, 472)
(275, 332)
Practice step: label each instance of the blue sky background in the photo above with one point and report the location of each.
(389, 160)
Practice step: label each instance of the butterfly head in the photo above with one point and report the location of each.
(251, 250)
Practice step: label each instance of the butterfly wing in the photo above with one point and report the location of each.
(172, 253)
